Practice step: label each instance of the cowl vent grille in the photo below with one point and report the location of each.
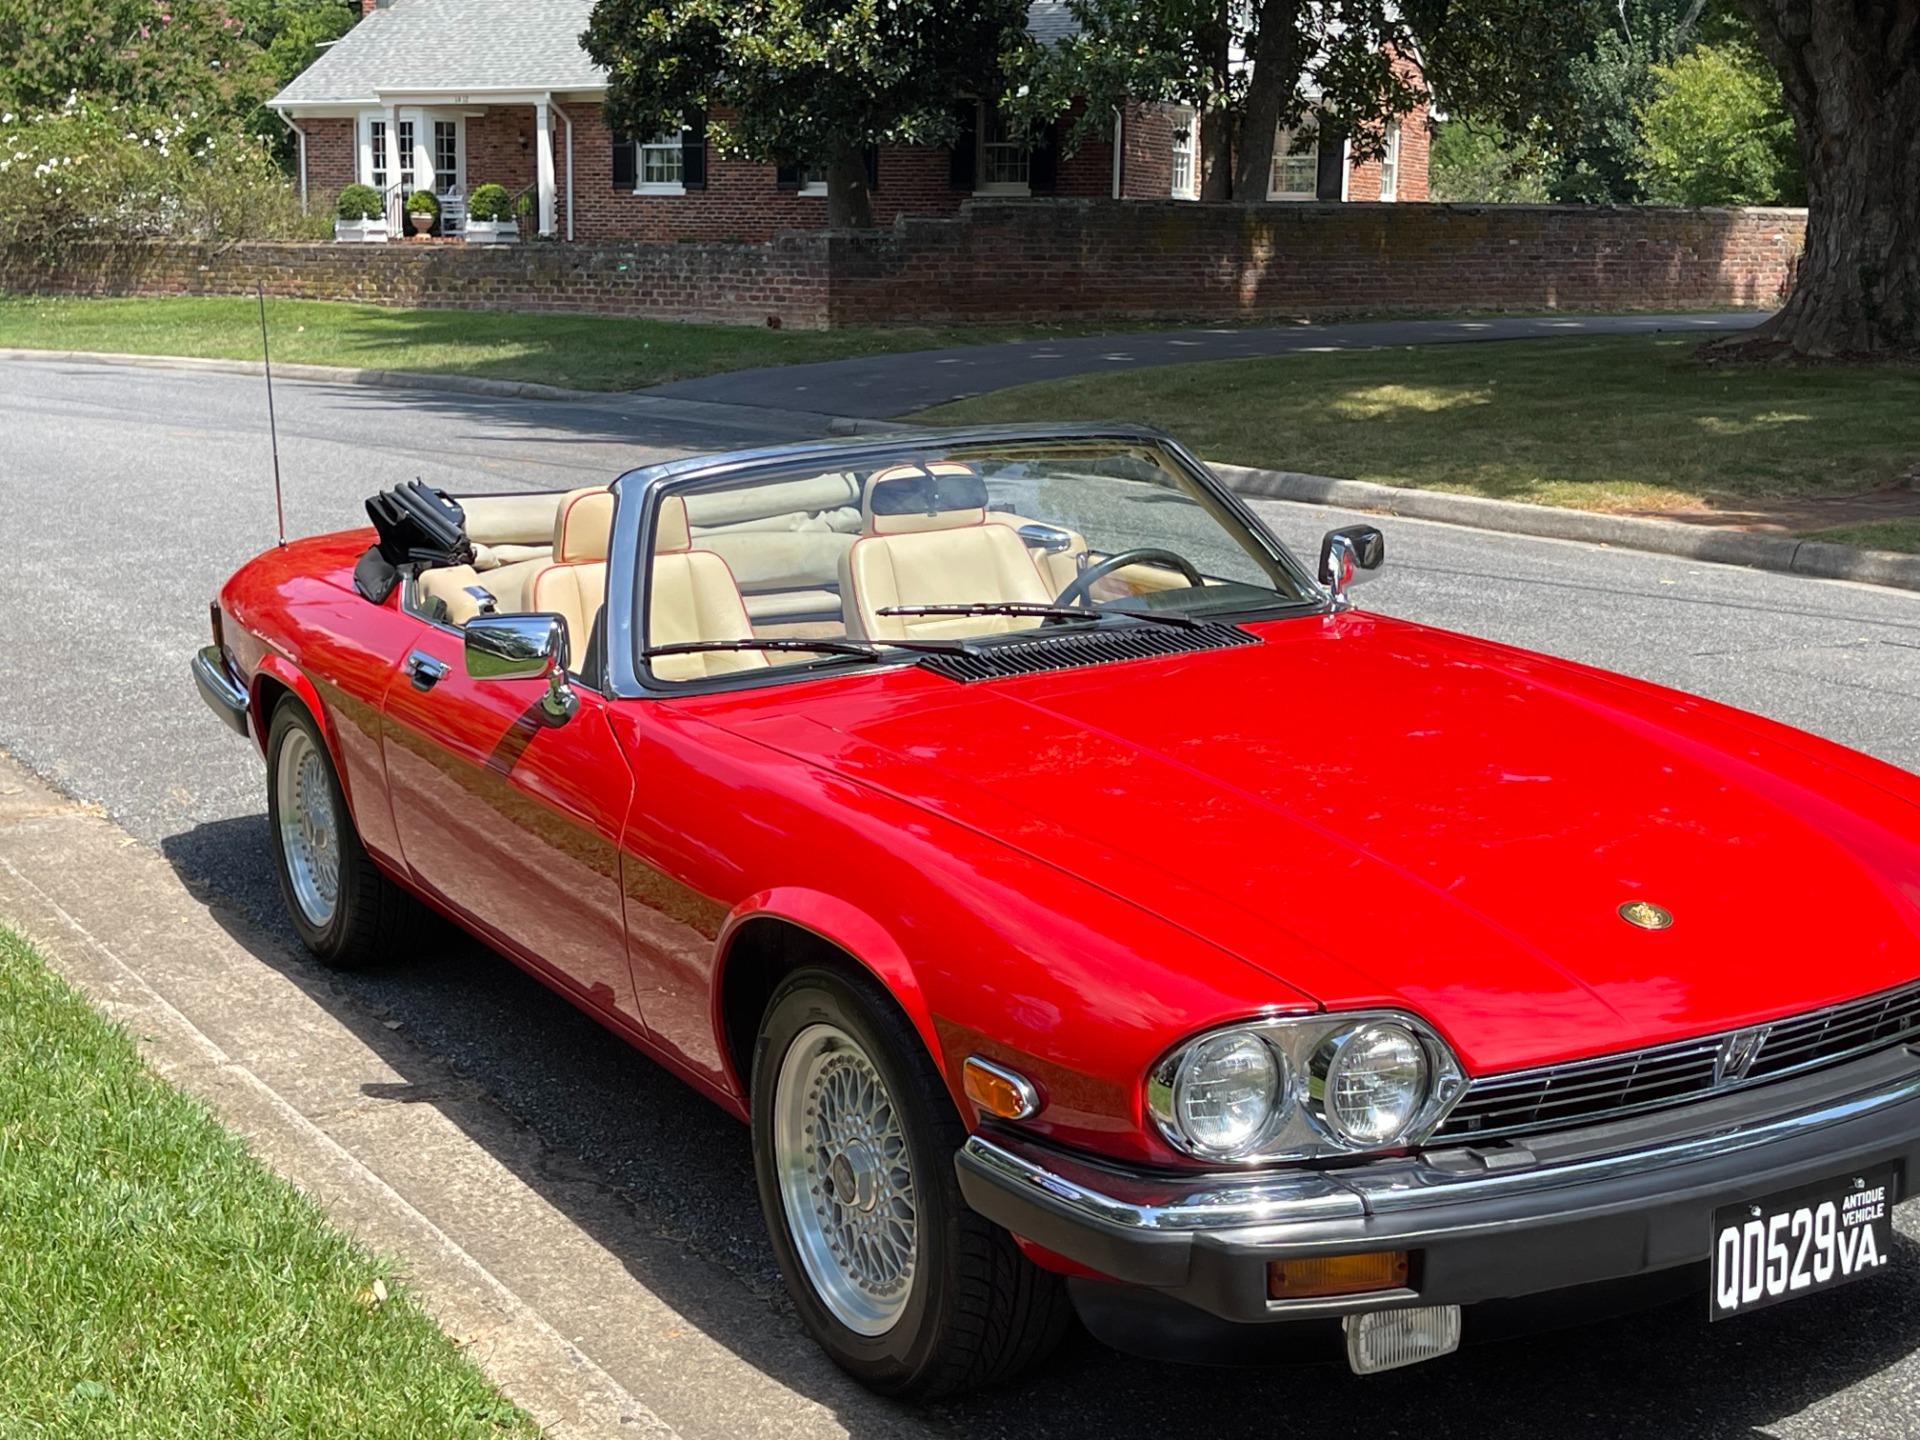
(1586, 1092)
(1066, 649)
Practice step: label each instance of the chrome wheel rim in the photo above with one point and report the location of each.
(846, 1179)
(309, 828)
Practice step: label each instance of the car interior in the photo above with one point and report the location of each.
(818, 557)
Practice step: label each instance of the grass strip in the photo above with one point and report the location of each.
(1613, 423)
(580, 352)
(157, 1281)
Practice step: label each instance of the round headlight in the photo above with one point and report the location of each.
(1224, 1091)
(1375, 1084)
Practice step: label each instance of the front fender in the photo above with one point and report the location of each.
(844, 926)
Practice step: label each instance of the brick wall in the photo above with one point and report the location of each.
(741, 284)
(1051, 259)
(1015, 260)
(330, 160)
(1146, 166)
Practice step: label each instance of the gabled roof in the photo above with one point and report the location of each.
(424, 46)
(452, 45)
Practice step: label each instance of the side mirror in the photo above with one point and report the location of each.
(1346, 555)
(524, 647)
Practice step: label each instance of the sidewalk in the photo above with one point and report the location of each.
(569, 1300)
(888, 386)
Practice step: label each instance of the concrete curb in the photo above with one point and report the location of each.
(671, 407)
(1786, 553)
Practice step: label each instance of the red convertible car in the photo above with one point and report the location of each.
(1092, 912)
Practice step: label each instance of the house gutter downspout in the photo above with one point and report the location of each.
(300, 138)
(1119, 150)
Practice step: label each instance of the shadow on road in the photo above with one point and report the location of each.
(496, 1052)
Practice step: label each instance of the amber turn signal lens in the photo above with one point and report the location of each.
(1321, 1275)
(1000, 1091)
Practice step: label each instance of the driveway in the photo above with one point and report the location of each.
(882, 386)
(128, 495)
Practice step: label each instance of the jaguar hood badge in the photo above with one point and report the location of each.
(1646, 915)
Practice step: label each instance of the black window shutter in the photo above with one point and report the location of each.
(1329, 178)
(787, 177)
(963, 159)
(1043, 161)
(693, 152)
(873, 168)
(626, 164)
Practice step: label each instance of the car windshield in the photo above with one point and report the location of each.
(942, 547)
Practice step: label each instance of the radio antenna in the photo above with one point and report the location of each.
(273, 428)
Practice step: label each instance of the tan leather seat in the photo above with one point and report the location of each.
(694, 598)
(574, 586)
(928, 541)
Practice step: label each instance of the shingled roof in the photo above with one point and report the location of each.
(438, 45)
(428, 46)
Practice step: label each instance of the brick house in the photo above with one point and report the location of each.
(452, 94)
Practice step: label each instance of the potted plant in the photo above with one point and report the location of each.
(490, 216)
(360, 215)
(423, 208)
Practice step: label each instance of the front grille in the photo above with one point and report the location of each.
(991, 660)
(1556, 1097)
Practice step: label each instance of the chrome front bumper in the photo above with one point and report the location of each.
(225, 696)
(1484, 1223)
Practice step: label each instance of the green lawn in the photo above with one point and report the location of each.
(1879, 535)
(156, 1281)
(1605, 424)
(582, 352)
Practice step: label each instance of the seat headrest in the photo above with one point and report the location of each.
(583, 526)
(671, 533)
(942, 496)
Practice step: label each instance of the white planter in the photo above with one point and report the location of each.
(361, 232)
(492, 232)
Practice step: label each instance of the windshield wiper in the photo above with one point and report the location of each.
(855, 648)
(1043, 612)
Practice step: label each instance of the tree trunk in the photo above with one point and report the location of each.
(1216, 115)
(1276, 69)
(849, 201)
(1852, 78)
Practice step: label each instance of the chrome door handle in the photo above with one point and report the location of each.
(425, 671)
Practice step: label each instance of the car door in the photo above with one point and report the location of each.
(514, 823)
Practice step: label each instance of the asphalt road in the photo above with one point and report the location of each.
(127, 495)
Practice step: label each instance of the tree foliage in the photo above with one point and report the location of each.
(180, 57)
(802, 82)
(1334, 56)
(1716, 132)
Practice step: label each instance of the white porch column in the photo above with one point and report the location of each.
(543, 161)
(423, 152)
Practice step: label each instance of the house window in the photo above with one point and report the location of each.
(813, 180)
(662, 164)
(446, 156)
(1006, 156)
(1185, 172)
(1296, 164)
(1390, 163)
(408, 181)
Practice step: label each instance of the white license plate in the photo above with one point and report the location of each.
(1800, 1242)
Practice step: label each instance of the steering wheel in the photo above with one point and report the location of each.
(1077, 591)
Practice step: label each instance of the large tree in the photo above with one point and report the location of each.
(1851, 69)
(802, 82)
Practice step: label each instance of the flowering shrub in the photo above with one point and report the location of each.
(89, 171)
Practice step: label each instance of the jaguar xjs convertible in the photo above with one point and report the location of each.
(1092, 912)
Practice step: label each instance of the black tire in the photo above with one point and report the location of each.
(372, 921)
(976, 1311)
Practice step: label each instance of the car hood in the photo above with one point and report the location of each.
(1373, 812)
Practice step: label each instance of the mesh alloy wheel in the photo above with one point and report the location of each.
(846, 1177)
